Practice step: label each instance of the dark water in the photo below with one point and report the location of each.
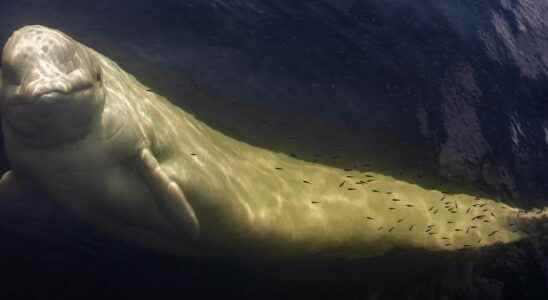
(383, 67)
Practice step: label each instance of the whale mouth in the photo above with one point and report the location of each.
(51, 115)
(51, 96)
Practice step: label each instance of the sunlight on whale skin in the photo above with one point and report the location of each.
(120, 157)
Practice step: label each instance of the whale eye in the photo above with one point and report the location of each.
(98, 76)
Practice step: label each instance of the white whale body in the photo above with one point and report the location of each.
(125, 159)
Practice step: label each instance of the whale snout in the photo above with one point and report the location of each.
(50, 97)
(55, 90)
(44, 100)
(44, 90)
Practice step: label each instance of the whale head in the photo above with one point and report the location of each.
(51, 88)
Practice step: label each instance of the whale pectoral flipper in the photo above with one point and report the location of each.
(169, 197)
(10, 186)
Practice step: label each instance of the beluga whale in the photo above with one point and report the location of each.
(127, 160)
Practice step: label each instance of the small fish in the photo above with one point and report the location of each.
(278, 168)
(315, 202)
(391, 228)
(370, 218)
(351, 189)
(467, 230)
(379, 229)
(391, 208)
(370, 176)
(305, 181)
(432, 233)
(473, 227)
(485, 221)
(193, 154)
(293, 155)
(388, 193)
(450, 222)
(457, 229)
(411, 227)
(400, 220)
(342, 183)
(410, 205)
(395, 199)
(444, 238)
(492, 233)
(349, 176)
(436, 211)
(492, 214)
(431, 208)
(447, 245)
(468, 210)
(375, 191)
(430, 226)
(467, 245)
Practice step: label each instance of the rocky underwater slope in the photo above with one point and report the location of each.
(456, 87)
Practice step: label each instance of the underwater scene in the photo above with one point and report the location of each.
(328, 149)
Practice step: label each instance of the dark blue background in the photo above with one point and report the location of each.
(369, 64)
